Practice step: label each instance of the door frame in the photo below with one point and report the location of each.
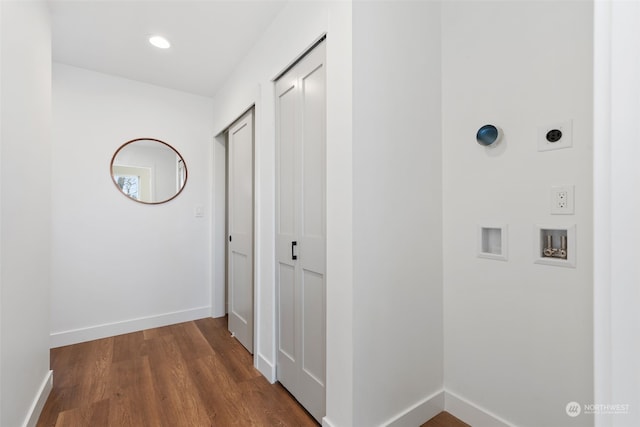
(219, 296)
(290, 66)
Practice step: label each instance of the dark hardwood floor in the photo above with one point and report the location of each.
(444, 419)
(190, 374)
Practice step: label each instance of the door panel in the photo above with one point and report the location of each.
(313, 156)
(240, 244)
(313, 326)
(287, 311)
(241, 166)
(241, 300)
(300, 219)
(286, 166)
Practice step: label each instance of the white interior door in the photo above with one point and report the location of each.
(300, 230)
(240, 226)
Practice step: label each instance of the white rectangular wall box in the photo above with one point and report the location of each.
(555, 136)
(551, 238)
(492, 242)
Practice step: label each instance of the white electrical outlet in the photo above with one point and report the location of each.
(562, 200)
(555, 136)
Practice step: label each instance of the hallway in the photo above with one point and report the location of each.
(188, 374)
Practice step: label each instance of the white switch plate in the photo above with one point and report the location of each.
(565, 141)
(198, 211)
(562, 200)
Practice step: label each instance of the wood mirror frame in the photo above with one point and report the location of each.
(149, 171)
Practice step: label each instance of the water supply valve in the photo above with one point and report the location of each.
(550, 252)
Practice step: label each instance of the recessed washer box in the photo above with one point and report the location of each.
(492, 242)
(554, 245)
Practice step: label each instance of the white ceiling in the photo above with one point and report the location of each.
(209, 38)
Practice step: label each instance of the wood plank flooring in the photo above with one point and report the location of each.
(190, 374)
(444, 419)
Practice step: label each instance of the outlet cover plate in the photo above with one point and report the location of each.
(565, 141)
(562, 200)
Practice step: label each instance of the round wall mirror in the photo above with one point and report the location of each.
(148, 171)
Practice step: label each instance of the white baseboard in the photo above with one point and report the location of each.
(422, 411)
(59, 339)
(470, 413)
(327, 423)
(266, 368)
(216, 313)
(440, 401)
(39, 401)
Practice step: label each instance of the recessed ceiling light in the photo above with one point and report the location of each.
(159, 41)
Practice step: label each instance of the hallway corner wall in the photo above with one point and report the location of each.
(25, 209)
(120, 266)
(518, 335)
(397, 213)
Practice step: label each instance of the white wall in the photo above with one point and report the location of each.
(118, 265)
(617, 208)
(252, 84)
(397, 211)
(25, 208)
(518, 335)
(625, 209)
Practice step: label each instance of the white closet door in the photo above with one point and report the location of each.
(240, 241)
(300, 230)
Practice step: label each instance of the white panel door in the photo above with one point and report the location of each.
(300, 230)
(240, 241)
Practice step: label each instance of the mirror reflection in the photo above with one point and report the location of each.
(148, 170)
